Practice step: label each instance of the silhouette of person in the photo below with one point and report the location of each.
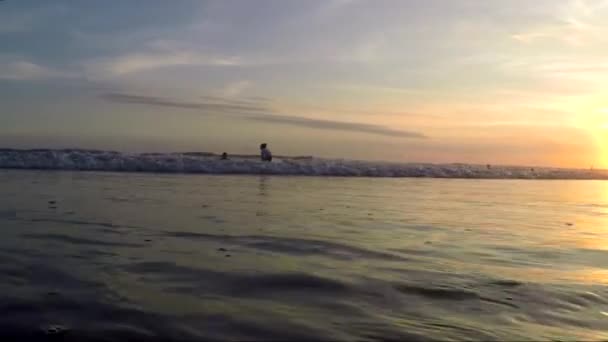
(265, 153)
(224, 156)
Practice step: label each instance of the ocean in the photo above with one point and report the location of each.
(159, 257)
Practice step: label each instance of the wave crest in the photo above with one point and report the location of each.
(208, 163)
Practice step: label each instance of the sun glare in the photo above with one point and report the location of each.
(603, 139)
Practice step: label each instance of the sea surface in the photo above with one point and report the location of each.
(130, 257)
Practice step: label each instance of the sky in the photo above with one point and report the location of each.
(475, 81)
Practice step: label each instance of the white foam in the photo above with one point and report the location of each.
(211, 164)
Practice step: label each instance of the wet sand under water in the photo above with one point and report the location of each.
(115, 257)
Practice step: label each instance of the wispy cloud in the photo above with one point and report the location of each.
(236, 88)
(210, 106)
(21, 70)
(574, 23)
(258, 111)
(139, 62)
(560, 75)
(329, 7)
(337, 125)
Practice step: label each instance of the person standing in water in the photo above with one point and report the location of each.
(265, 153)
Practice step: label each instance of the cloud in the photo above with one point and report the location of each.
(338, 125)
(236, 88)
(20, 70)
(575, 23)
(138, 62)
(579, 66)
(256, 110)
(210, 106)
(333, 6)
(559, 75)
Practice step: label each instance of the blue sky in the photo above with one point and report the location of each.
(515, 82)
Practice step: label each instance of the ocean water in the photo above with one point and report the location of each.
(128, 256)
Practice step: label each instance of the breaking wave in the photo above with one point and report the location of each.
(208, 163)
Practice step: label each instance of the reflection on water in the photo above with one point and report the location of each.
(156, 257)
(263, 186)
